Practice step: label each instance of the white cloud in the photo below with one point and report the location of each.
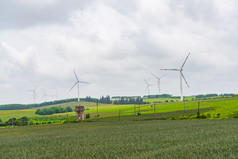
(115, 47)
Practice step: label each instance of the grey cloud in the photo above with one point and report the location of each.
(16, 14)
(115, 45)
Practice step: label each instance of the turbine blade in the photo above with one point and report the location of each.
(170, 69)
(76, 76)
(84, 82)
(146, 82)
(146, 88)
(184, 79)
(185, 61)
(73, 86)
(155, 75)
(162, 76)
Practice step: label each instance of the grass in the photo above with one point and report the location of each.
(7, 114)
(141, 139)
(224, 107)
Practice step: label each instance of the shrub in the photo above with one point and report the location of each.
(87, 116)
(235, 114)
(203, 116)
(208, 115)
(3, 124)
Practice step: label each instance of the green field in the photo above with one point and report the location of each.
(224, 107)
(140, 139)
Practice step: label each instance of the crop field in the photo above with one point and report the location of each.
(140, 139)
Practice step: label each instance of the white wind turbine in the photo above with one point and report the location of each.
(34, 94)
(77, 83)
(45, 95)
(181, 76)
(148, 87)
(158, 78)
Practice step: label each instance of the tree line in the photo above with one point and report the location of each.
(28, 106)
(102, 99)
(129, 101)
(214, 95)
(158, 96)
(53, 110)
(23, 121)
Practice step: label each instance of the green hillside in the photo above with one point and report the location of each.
(217, 108)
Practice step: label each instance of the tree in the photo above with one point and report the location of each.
(24, 121)
(69, 109)
(11, 121)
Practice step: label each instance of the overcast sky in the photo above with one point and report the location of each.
(115, 45)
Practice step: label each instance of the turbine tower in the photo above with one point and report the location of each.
(181, 76)
(45, 95)
(77, 83)
(34, 94)
(148, 87)
(158, 78)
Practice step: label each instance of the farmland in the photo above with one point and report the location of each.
(162, 130)
(141, 139)
(224, 108)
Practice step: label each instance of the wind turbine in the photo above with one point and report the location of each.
(56, 96)
(45, 95)
(34, 94)
(148, 87)
(181, 76)
(158, 85)
(77, 83)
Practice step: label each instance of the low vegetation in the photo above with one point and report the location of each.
(53, 110)
(141, 139)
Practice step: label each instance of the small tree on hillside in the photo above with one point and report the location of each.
(24, 121)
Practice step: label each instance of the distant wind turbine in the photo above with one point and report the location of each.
(148, 87)
(158, 78)
(45, 95)
(77, 83)
(56, 96)
(181, 76)
(34, 94)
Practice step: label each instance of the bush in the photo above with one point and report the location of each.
(235, 114)
(87, 116)
(3, 124)
(0, 120)
(208, 115)
(203, 116)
